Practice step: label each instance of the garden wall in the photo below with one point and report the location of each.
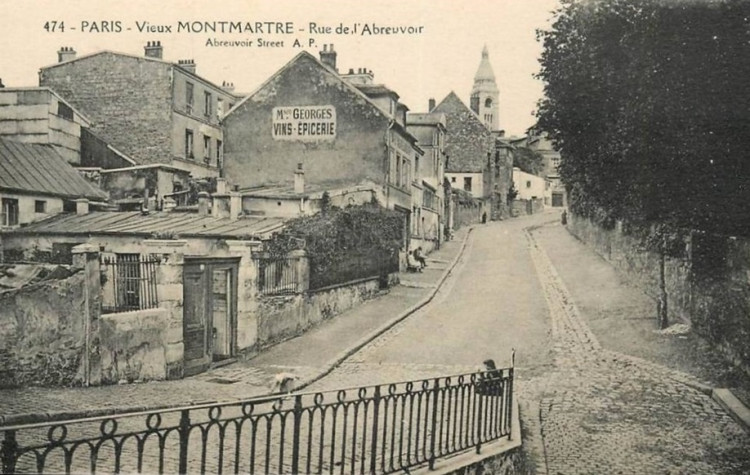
(709, 286)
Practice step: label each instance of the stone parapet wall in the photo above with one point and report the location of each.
(286, 316)
(42, 334)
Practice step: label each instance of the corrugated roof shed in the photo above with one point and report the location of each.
(39, 169)
(138, 224)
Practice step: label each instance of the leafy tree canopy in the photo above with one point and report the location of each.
(648, 102)
(528, 160)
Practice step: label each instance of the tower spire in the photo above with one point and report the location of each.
(485, 94)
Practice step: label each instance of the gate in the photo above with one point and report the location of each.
(371, 429)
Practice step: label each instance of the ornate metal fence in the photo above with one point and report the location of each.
(373, 429)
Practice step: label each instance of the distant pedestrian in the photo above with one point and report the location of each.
(420, 257)
(564, 217)
(412, 264)
(484, 218)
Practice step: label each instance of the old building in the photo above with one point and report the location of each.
(540, 143)
(470, 146)
(148, 109)
(36, 182)
(306, 113)
(429, 170)
(485, 95)
(39, 115)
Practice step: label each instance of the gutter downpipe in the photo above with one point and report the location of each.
(391, 122)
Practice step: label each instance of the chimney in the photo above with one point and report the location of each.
(227, 86)
(82, 206)
(1, 84)
(431, 104)
(299, 179)
(328, 57)
(66, 53)
(153, 49)
(187, 65)
(203, 203)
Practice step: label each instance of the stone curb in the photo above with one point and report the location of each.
(35, 418)
(342, 356)
(730, 403)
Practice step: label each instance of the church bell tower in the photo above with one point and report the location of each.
(485, 94)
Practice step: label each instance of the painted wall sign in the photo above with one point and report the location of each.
(305, 123)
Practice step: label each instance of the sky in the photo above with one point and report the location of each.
(443, 57)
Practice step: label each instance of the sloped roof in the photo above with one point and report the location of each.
(135, 223)
(39, 169)
(467, 140)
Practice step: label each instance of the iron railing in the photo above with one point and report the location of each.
(372, 429)
(277, 275)
(129, 282)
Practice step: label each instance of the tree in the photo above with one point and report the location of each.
(647, 102)
(528, 160)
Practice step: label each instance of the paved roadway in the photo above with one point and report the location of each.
(599, 411)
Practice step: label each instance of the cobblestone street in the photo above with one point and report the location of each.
(586, 410)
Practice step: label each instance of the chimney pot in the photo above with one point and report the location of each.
(431, 104)
(1, 84)
(203, 208)
(299, 179)
(328, 57)
(66, 53)
(82, 206)
(153, 49)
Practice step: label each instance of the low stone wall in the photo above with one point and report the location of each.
(133, 346)
(286, 316)
(42, 334)
(716, 305)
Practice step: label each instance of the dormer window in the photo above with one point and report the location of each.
(488, 102)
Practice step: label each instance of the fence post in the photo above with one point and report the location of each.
(510, 403)
(433, 436)
(478, 421)
(8, 452)
(184, 431)
(295, 434)
(375, 415)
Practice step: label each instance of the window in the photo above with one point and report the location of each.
(218, 153)
(188, 143)
(416, 167)
(219, 107)
(406, 171)
(64, 111)
(528, 183)
(467, 183)
(207, 104)
(207, 149)
(453, 179)
(488, 102)
(40, 206)
(10, 212)
(130, 282)
(189, 97)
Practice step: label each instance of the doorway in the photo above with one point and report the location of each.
(209, 312)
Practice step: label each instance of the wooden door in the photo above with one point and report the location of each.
(196, 319)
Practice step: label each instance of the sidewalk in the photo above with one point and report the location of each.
(623, 319)
(309, 356)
